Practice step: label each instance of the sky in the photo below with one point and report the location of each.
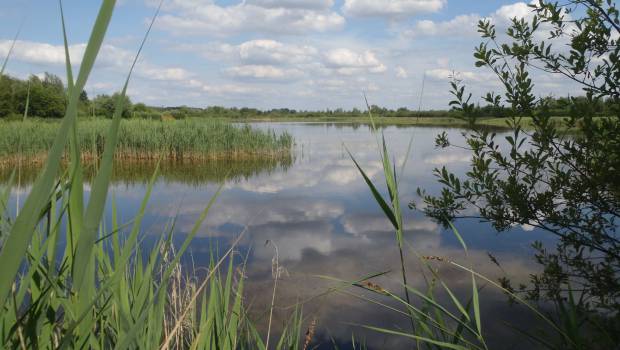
(299, 54)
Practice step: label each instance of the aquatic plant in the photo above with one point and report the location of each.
(188, 139)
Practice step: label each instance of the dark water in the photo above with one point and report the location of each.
(321, 216)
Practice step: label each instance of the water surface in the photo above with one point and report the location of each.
(317, 210)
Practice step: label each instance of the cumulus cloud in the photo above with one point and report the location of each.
(162, 73)
(348, 62)
(391, 8)
(263, 72)
(110, 56)
(294, 4)
(447, 74)
(401, 73)
(459, 25)
(517, 10)
(272, 51)
(466, 24)
(268, 59)
(265, 16)
(40, 53)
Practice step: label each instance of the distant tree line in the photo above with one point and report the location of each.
(47, 97)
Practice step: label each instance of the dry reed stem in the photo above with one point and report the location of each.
(310, 334)
(166, 344)
(374, 287)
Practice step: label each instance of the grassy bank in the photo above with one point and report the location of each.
(145, 139)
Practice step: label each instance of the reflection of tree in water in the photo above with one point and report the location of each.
(186, 172)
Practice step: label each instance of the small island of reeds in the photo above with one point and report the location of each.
(140, 139)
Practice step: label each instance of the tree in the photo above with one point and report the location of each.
(140, 107)
(84, 97)
(105, 105)
(46, 98)
(7, 95)
(552, 178)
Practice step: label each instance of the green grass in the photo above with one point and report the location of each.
(146, 139)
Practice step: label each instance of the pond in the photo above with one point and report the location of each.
(318, 212)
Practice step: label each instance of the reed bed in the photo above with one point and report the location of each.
(188, 139)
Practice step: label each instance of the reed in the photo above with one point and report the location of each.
(188, 139)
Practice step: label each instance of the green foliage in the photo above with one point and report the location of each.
(47, 97)
(564, 184)
(104, 105)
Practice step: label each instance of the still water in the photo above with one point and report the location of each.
(318, 212)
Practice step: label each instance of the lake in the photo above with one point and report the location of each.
(318, 212)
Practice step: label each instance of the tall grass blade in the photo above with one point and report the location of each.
(68, 67)
(382, 203)
(23, 228)
(11, 48)
(99, 190)
(474, 286)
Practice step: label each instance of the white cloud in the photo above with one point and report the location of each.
(507, 12)
(467, 24)
(227, 89)
(110, 56)
(274, 52)
(391, 8)
(459, 25)
(293, 4)
(401, 73)
(349, 62)
(160, 73)
(41, 53)
(266, 16)
(263, 72)
(447, 74)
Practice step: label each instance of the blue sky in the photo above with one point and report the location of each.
(302, 54)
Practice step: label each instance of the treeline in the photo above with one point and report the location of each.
(561, 107)
(46, 97)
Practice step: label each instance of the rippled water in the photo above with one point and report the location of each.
(320, 214)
